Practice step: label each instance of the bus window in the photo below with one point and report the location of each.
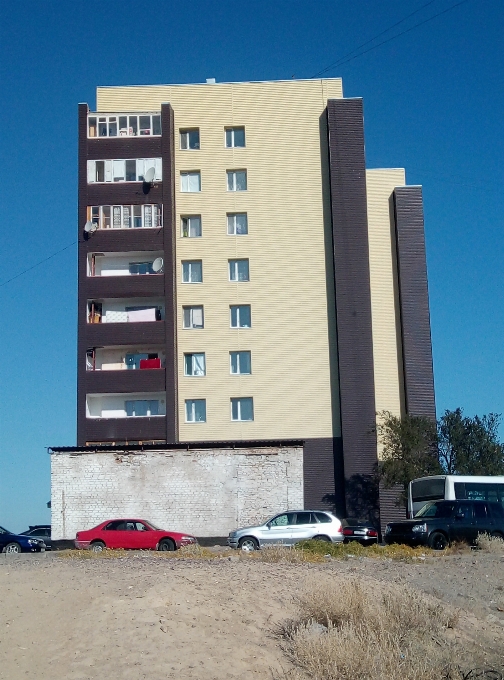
(479, 492)
(427, 490)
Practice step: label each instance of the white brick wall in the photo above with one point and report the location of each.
(204, 492)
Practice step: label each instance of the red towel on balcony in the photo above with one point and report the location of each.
(150, 363)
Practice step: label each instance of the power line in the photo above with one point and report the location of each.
(37, 264)
(343, 61)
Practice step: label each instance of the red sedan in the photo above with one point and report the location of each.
(131, 534)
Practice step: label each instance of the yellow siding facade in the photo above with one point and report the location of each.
(387, 356)
(288, 210)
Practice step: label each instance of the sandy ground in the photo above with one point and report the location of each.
(144, 616)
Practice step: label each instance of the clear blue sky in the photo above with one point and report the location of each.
(433, 102)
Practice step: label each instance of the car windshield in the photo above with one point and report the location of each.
(4, 531)
(441, 510)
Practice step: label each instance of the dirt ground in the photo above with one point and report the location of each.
(148, 617)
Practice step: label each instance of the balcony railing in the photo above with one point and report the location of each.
(125, 264)
(139, 405)
(124, 125)
(102, 312)
(131, 359)
(148, 216)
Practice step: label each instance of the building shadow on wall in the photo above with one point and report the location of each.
(362, 498)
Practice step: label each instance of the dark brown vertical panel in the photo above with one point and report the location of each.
(82, 254)
(319, 456)
(414, 302)
(168, 160)
(353, 294)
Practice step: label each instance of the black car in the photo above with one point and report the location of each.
(439, 523)
(42, 531)
(360, 530)
(16, 543)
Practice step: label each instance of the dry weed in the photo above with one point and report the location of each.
(395, 551)
(284, 554)
(491, 544)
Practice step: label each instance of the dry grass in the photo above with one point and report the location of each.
(282, 554)
(395, 551)
(490, 544)
(347, 631)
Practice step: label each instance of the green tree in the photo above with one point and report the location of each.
(470, 446)
(408, 450)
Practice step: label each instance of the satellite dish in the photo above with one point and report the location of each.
(157, 265)
(90, 227)
(149, 175)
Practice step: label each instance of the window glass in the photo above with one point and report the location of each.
(304, 518)
(323, 518)
(465, 509)
(441, 510)
(156, 125)
(189, 139)
(480, 510)
(237, 224)
(281, 521)
(193, 317)
(114, 526)
(242, 408)
(238, 270)
(427, 490)
(240, 363)
(131, 170)
(235, 137)
(237, 180)
(240, 316)
(195, 410)
(133, 125)
(112, 127)
(195, 364)
(192, 271)
(190, 181)
(497, 511)
(145, 125)
(191, 226)
(141, 527)
(141, 268)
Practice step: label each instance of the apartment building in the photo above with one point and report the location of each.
(244, 278)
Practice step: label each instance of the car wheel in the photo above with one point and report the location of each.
(438, 541)
(326, 539)
(12, 548)
(98, 546)
(166, 544)
(248, 544)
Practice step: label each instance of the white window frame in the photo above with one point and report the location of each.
(190, 309)
(239, 371)
(232, 222)
(190, 264)
(148, 414)
(152, 212)
(185, 176)
(234, 270)
(232, 129)
(186, 132)
(237, 307)
(192, 403)
(232, 174)
(109, 120)
(117, 167)
(186, 232)
(238, 401)
(198, 364)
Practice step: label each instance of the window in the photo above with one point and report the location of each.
(189, 139)
(194, 364)
(125, 216)
(195, 410)
(190, 181)
(192, 271)
(240, 363)
(242, 408)
(193, 317)
(480, 511)
(237, 180)
(323, 518)
(123, 170)
(240, 316)
(124, 126)
(304, 518)
(282, 520)
(142, 407)
(238, 270)
(141, 268)
(191, 226)
(237, 224)
(235, 137)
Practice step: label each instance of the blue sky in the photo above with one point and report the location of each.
(433, 102)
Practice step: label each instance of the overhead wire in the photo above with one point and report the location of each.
(342, 60)
(37, 264)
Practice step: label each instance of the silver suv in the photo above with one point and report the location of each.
(288, 528)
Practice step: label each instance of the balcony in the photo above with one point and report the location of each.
(135, 310)
(139, 263)
(147, 216)
(133, 405)
(125, 358)
(106, 125)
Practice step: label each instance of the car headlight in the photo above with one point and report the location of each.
(33, 541)
(233, 534)
(191, 539)
(419, 528)
(388, 529)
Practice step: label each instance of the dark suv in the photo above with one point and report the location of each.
(438, 524)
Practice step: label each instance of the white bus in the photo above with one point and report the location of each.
(451, 487)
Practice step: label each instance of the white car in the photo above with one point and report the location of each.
(288, 528)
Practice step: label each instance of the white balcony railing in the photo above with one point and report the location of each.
(124, 125)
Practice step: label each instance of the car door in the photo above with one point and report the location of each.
(463, 526)
(145, 538)
(116, 535)
(305, 527)
(483, 519)
(279, 530)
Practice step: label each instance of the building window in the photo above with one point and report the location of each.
(237, 180)
(237, 224)
(240, 316)
(195, 410)
(142, 407)
(235, 137)
(141, 268)
(238, 270)
(242, 408)
(124, 126)
(193, 317)
(190, 182)
(240, 363)
(123, 170)
(192, 271)
(189, 139)
(191, 226)
(194, 364)
(125, 216)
